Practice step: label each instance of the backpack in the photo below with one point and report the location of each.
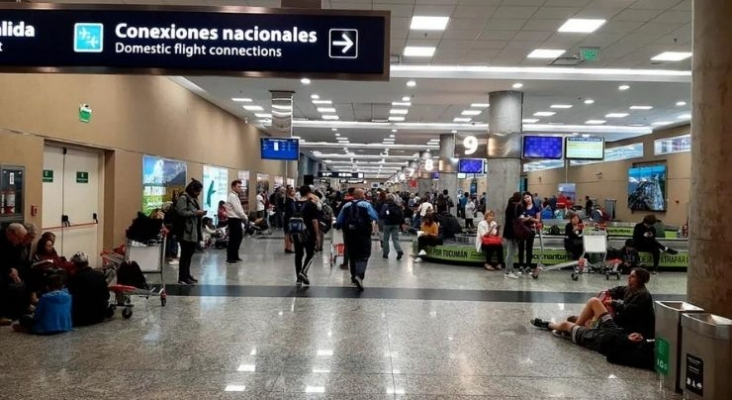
(357, 219)
(554, 230)
(326, 218)
(298, 229)
(130, 274)
(392, 214)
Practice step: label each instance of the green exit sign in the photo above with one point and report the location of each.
(82, 177)
(589, 53)
(47, 176)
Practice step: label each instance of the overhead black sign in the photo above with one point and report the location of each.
(329, 174)
(352, 181)
(194, 41)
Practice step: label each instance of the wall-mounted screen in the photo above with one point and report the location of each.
(647, 188)
(544, 147)
(470, 166)
(280, 149)
(585, 148)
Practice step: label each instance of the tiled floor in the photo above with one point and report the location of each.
(333, 347)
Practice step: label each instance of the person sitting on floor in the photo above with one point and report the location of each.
(607, 337)
(429, 236)
(89, 292)
(629, 257)
(45, 252)
(53, 312)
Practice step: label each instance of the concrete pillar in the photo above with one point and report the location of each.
(709, 283)
(448, 168)
(504, 148)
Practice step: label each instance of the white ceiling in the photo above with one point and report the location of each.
(486, 33)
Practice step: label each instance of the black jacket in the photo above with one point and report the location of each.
(635, 314)
(392, 214)
(90, 297)
(618, 349)
(643, 234)
(450, 226)
(569, 231)
(508, 217)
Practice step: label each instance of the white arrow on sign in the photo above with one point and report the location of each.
(347, 43)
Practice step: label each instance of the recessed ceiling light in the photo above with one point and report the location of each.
(253, 108)
(406, 98)
(332, 117)
(684, 116)
(581, 25)
(411, 83)
(453, 131)
(518, 85)
(530, 120)
(623, 87)
(680, 103)
(322, 102)
(659, 123)
(419, 51)
(462, 120)
(641, 107)
(314, 96)
(595, 122)
(480, 105)
(471, 112)
(334, 129)
(616, 115)
(305, 81)
(394, 130)
(326, 110)
(337, 134)
(392, 135)
(589, 101)
(561, 106)
(672, 56)
(396, 119)
(544, 113)
(585, 135)
(263, 116)
(401, 104)
(546, 53)
(420, 23)
(398, 111)
(241, 100)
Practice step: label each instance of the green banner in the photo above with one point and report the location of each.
(612, 231)
(467, 254)
(662, 356)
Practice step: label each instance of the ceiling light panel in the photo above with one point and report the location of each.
(518, 85)
(480, 105)
(305, 81)
(561, 106)
(623, 87)
(401, 104)
(672, 56)
(423, 23)
(471, 112)
(398, 111)
(595, 122)
(462, 120)
(616, 115)
(411, 83)
(544, 113)
(253, 108)
(241, 100)
(406, 98)
(397, 119)
(546, 53)
(419, 51)
(326, 110)
(530, 120)
(581, 25)
(589, 101)
(331, 117)
(680, 103)
(641, 107)
(322, 102)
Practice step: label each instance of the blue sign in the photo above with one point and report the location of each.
(280, 149)
(238, 41)
(545, 147)
(470, 166)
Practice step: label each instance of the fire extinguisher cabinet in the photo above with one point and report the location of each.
(12, 194)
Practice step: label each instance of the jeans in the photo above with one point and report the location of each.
(653, 247)
(416, 221)
(236, 234)
(526, 251)
(391, 231)
(307, 250)
(187, 250)
(171, 247)
(511, 250)
(358, 248)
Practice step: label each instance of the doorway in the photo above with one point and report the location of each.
(72, 199)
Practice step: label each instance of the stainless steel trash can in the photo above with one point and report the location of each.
(706, 356)
(668, 341)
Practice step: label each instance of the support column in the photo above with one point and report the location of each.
(709, 283)
(447, 167)
(504, 148)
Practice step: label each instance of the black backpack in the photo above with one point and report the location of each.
(326, 218)
(555, 231)
(392, 214)
(357, 219)
(298, 229)
(130, 274)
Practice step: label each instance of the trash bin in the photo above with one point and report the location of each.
(706, 356)
(668, 341)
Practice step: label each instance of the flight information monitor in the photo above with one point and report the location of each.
(280, 149)
(543, 147)
(585, 148)
(470, 166)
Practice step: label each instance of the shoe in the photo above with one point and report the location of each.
(343, 266)
(572, 319)
(489, 267)
(6, 321)
(654, 272)
(298, 283)
(231, 261)
(539, 323)
(303, 278)
(359, 284)
(289, 251)
(182, 282)
(519, 273)
(192, 279)
(385, 256)
(562, 334)
(239, 260)
(511, 275)
(353, 280)
(173, 262)
(418, 260)
(499, 267)
(671, 251)
(399, 255)
(422, 253)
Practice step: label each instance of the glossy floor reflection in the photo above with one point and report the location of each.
(331, 347)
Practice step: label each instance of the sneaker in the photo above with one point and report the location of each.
(385, 256)
(519, 273)
(6, 321)
(418, 260)
(289, 251)
(303, 278)
(539, 323)
(192, 279)
(359, 284)
(173, 262)
(231, 261)
(353, 280)
(182, 282)
(489, 267)
(298, 283)
(511, 275)
(499, 267)
(671, 251)
(422, 253)
(562, 334)
(400, 255)
(654, 272)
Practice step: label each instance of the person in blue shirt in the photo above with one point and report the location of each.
(529, 214)
(53, 312)
(356, 220)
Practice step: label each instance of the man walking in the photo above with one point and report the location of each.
(236, 216)
(357, 219)
(393, 218)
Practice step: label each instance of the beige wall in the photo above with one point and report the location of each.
(613, 183)
(132, 116)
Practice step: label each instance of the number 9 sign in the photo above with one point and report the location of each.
(471, 145)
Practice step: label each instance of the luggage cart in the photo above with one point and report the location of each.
(337, 247)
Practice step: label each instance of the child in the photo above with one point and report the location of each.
(53, 312)
(489, 241)
(630, 257)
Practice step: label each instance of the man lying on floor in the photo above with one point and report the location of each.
(607, 338)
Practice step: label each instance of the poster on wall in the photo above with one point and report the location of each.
(243, 176)
(290, 182)
(262, 183)
(647, 188)
(215, 188)
(160, 179)
(278, 181)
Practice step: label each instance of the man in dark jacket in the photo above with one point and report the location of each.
(89, 293)
(644, 236)
(450, 226)
(393, 218)
(14, 264)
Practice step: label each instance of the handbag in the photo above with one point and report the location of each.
(491, 240)
(521, 230)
